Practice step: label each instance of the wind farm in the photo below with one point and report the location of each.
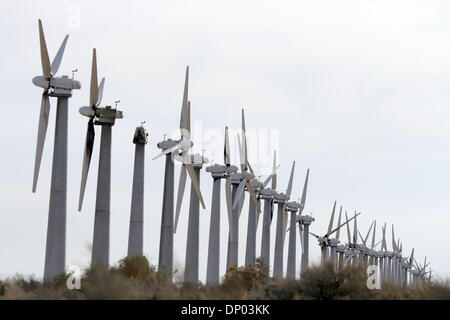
(265, 208)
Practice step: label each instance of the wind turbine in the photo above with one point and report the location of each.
(136, 230)
(181, 147)
(61, 88)
(192, 164)
(352, 252)
(218, 172)
(383, 256)
(304, 221)
(254, 205)
(390, 264)
(323, 240)
(105, 117)
(340, 249)
(396, 258)
(365, 251)
(294, 207)
(333, 242)
(239, 182)
(281, 199)
(407, 264)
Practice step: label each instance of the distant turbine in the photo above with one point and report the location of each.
(281, 199)
(218, 172)
(267, 194)
(294, 207)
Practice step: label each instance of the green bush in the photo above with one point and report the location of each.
(135, 278)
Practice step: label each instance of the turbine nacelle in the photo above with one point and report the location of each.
(57, 86)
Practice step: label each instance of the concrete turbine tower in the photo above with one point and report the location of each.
(294, 207)
(61, 88)
(281, 200)
(268, 194)
(218, 172)
(191, 164)
(105, 117)
(136, 230)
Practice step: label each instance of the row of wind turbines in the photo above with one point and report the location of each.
(391, 265)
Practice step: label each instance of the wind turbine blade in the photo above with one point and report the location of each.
(339, 222)
(42, 131)
(291, 178)
(271, 212)
(239, 192)
(330, 224)
(88, 148)
(45, 60)
(258, 214)
(362, 239)
(267, 180)
(241, 205)
(241, 154)
(368, 232)
(313, 234)
(346, 222)
(94, 82)
(274, 171)
(394, 246)
(244, 140)
(181, 187)
(188, 122)
(193, 176)
(226, 149)
(184, 105)
(250, 167)
(228, 197)
(305, 188)
(300, 230)
(253, 196)
(167, 151)
(348, 229)
(285, 222)
(373, 233)
(100, 92)
(355, 231)
(57, 60)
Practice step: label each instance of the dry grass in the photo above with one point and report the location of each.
(135, 278)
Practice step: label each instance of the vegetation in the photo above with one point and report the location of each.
(135, 278)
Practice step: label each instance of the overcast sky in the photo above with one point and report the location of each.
(357, 91)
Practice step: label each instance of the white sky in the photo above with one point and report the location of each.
(358, 91)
